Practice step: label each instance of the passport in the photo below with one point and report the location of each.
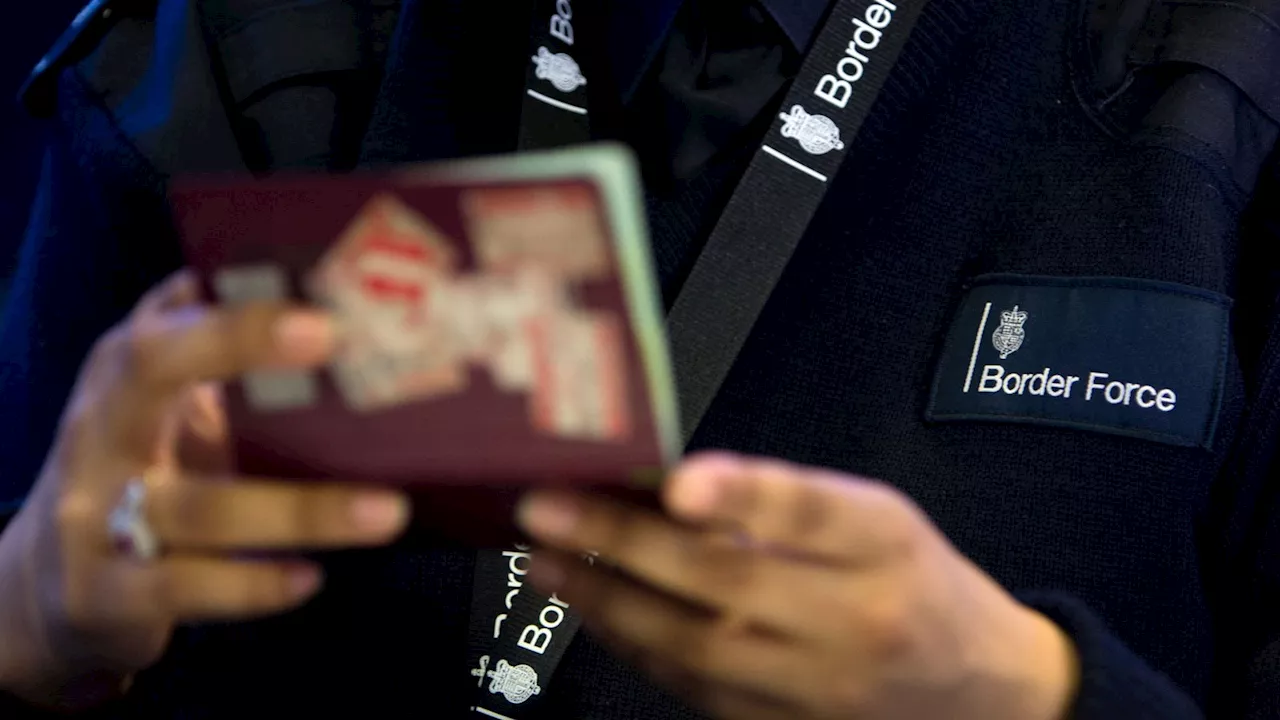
(500, 327)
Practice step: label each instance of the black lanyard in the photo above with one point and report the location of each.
(517, 636)
(557, 107)
(780, 192)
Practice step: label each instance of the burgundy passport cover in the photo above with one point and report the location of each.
(487, 340)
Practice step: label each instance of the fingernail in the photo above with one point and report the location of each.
(549, 517)
(380, 513)
(697, 489)
(698, 493)
(546, 574)
(304, 581)
(305, 334)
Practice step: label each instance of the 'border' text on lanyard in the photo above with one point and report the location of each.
(518, 637)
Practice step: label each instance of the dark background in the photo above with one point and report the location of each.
(24, 38)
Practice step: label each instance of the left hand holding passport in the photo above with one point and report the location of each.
(776, 592)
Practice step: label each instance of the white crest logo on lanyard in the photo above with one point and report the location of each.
(517, 683)
(817, 134)
(559, 69)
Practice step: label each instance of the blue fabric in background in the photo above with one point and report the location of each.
(22, 44)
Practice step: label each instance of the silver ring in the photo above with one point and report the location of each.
(127, 524)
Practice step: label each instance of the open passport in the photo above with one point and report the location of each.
(500, 323)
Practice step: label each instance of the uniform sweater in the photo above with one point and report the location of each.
(1045, 138)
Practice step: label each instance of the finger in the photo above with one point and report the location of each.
(204, 413)
(727, 702)
(654, 628)
(179, 289)
(189, 588)
(194, 589)
(719, 699)
(170, 351)
(731, 704)
(829, 516)
(160, 356)
(709, 568)
(194, 433)
(241, 514)
(203, 438)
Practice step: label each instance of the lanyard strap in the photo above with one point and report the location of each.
(517, 636)
(557, 107)
(785, 183)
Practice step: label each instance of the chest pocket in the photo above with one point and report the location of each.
(300, 78)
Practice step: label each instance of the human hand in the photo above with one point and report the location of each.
(77, 615)
(794, 593)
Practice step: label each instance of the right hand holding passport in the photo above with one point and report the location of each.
(502, 302)
(79, 617)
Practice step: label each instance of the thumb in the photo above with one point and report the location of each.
(202, 441)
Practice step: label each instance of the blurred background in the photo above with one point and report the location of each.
(24, 38)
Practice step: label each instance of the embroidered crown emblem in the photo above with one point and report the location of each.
(558, 69)
(517, 683)
(817, 134)
(1009, 336)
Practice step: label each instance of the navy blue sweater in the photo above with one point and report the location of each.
(1057, 138)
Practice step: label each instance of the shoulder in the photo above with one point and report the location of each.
(135, 88)
(97, 23)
